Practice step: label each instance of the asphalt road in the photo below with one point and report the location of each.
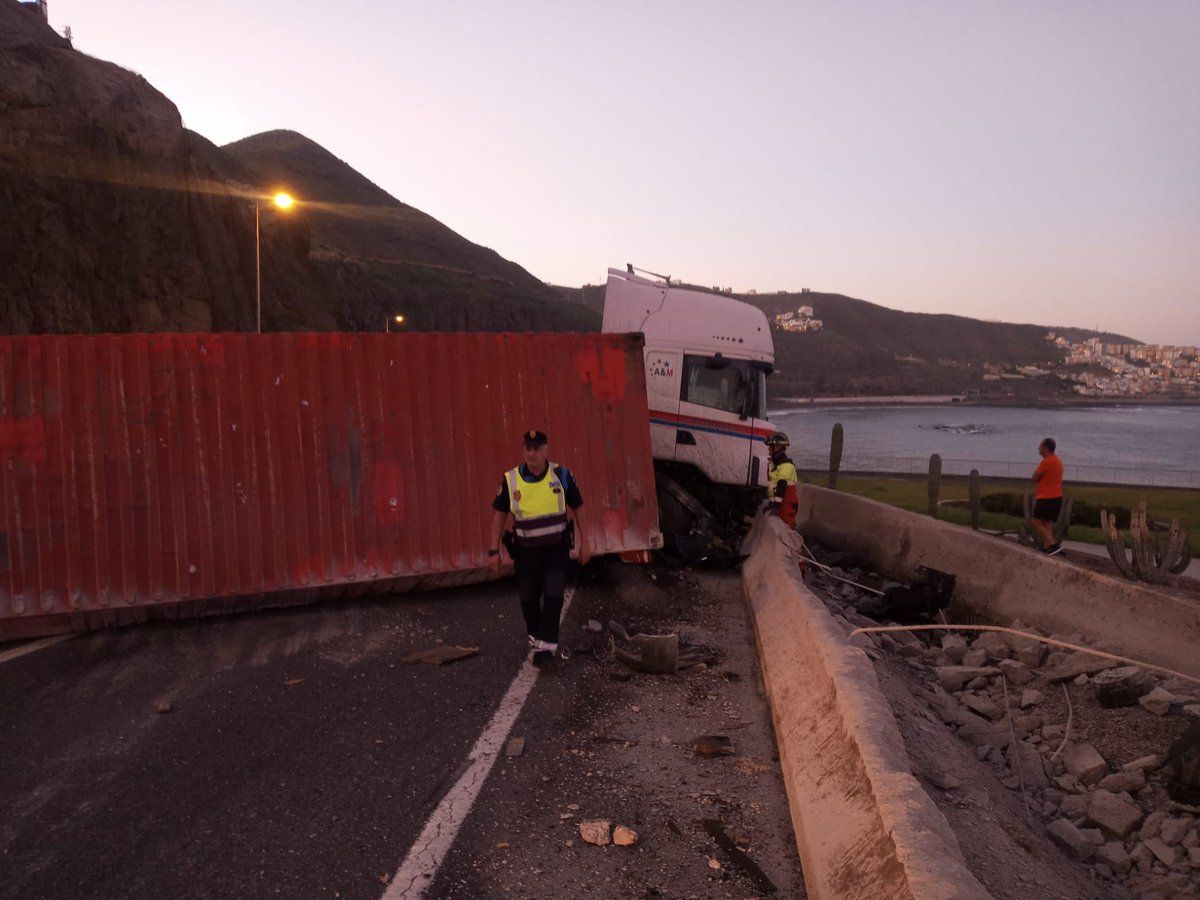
(298, 757)
(292, 753)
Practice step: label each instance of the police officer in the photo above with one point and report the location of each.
(542, 498)
(782, 480)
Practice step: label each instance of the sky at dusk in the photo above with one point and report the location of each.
(1029, 162)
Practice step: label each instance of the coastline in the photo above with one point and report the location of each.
(792, 404)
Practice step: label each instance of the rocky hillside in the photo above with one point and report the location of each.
(116, 218)
(869, 349)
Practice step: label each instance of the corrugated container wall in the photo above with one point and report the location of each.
(146, 476)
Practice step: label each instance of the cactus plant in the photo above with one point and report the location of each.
(1058, 527)
(835, 454)
(974, 496)
(935, 483)
(1151, 557)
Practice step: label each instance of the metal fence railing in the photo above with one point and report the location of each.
(914, 465)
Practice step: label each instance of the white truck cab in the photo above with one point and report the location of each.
(707, 358)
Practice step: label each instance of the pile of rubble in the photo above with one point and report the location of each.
(1082, 739)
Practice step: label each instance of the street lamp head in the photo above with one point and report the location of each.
(399, 320)
(283, 201)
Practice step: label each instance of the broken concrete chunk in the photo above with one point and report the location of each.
(1113, 854)
(593, 626)
(1173, 830)
(1152, 827)
(1071, 839)
(1194, 857)
(1165, 855)
(1158, 701)
(1077, 664)
(1029, 723)
(1143, 763)
(1082, 761)
(1123, 781)
(954, 678)
(596, 831)
(980, 733)
(1032, 770)
(993, 644)
(1030, 697)
(1074, 806)
(976, 656)
(982, 705)
(1114, 815)
(954, 646)
(1193, 710)
(1017, 673)
(624, 837)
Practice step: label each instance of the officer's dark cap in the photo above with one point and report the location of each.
(534, 438)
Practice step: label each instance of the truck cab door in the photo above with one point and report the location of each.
(761, 427)
(715, 433)
(662, 396)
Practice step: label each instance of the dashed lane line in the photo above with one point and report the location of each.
(425, 857)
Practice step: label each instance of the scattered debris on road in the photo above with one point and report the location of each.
(596, 831)
(440, 655)
(710, 746)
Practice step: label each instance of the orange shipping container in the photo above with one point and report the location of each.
(152, 476)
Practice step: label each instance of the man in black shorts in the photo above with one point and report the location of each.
(1048, 496)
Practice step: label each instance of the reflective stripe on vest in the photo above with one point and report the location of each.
(539, 508)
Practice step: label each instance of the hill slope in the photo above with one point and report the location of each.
(869, 349)
(117, 218)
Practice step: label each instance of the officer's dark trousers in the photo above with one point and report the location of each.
(541, 579)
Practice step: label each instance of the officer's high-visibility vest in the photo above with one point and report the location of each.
(539, 508)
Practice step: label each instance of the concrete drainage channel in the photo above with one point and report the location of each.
(927, 766)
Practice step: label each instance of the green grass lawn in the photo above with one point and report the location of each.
(912, 494)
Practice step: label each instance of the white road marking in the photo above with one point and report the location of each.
(427, 853)
(33, 646)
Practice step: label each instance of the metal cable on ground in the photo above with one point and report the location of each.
(1025, 634)
(1016, 754)
(827, 570)
(1067, 731)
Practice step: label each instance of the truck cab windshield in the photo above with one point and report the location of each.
(731, 385)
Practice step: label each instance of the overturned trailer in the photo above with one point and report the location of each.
(176, 475)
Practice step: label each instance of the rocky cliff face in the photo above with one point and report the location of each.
(115, 218)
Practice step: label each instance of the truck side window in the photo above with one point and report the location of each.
(725, 388)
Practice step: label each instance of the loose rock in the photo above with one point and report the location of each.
(1164, 854)
(1030, 697)
(1071, 839)
(954, 678)
(624, 837)
(1116, 816)
(1114, 855)
(1082, 761)
(596, 831)
(1123, 781)
(1158, 701)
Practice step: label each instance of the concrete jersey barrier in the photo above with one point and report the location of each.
(864, 826)
(1003, 582)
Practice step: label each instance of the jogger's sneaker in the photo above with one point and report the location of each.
(542, 659)
(1054, 549)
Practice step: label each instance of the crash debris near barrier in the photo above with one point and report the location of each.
(1105, 756)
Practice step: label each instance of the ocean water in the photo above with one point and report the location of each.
(1126, 438)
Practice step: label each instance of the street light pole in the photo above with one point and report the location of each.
(257, 270)
(284, 202)
(387, 323)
